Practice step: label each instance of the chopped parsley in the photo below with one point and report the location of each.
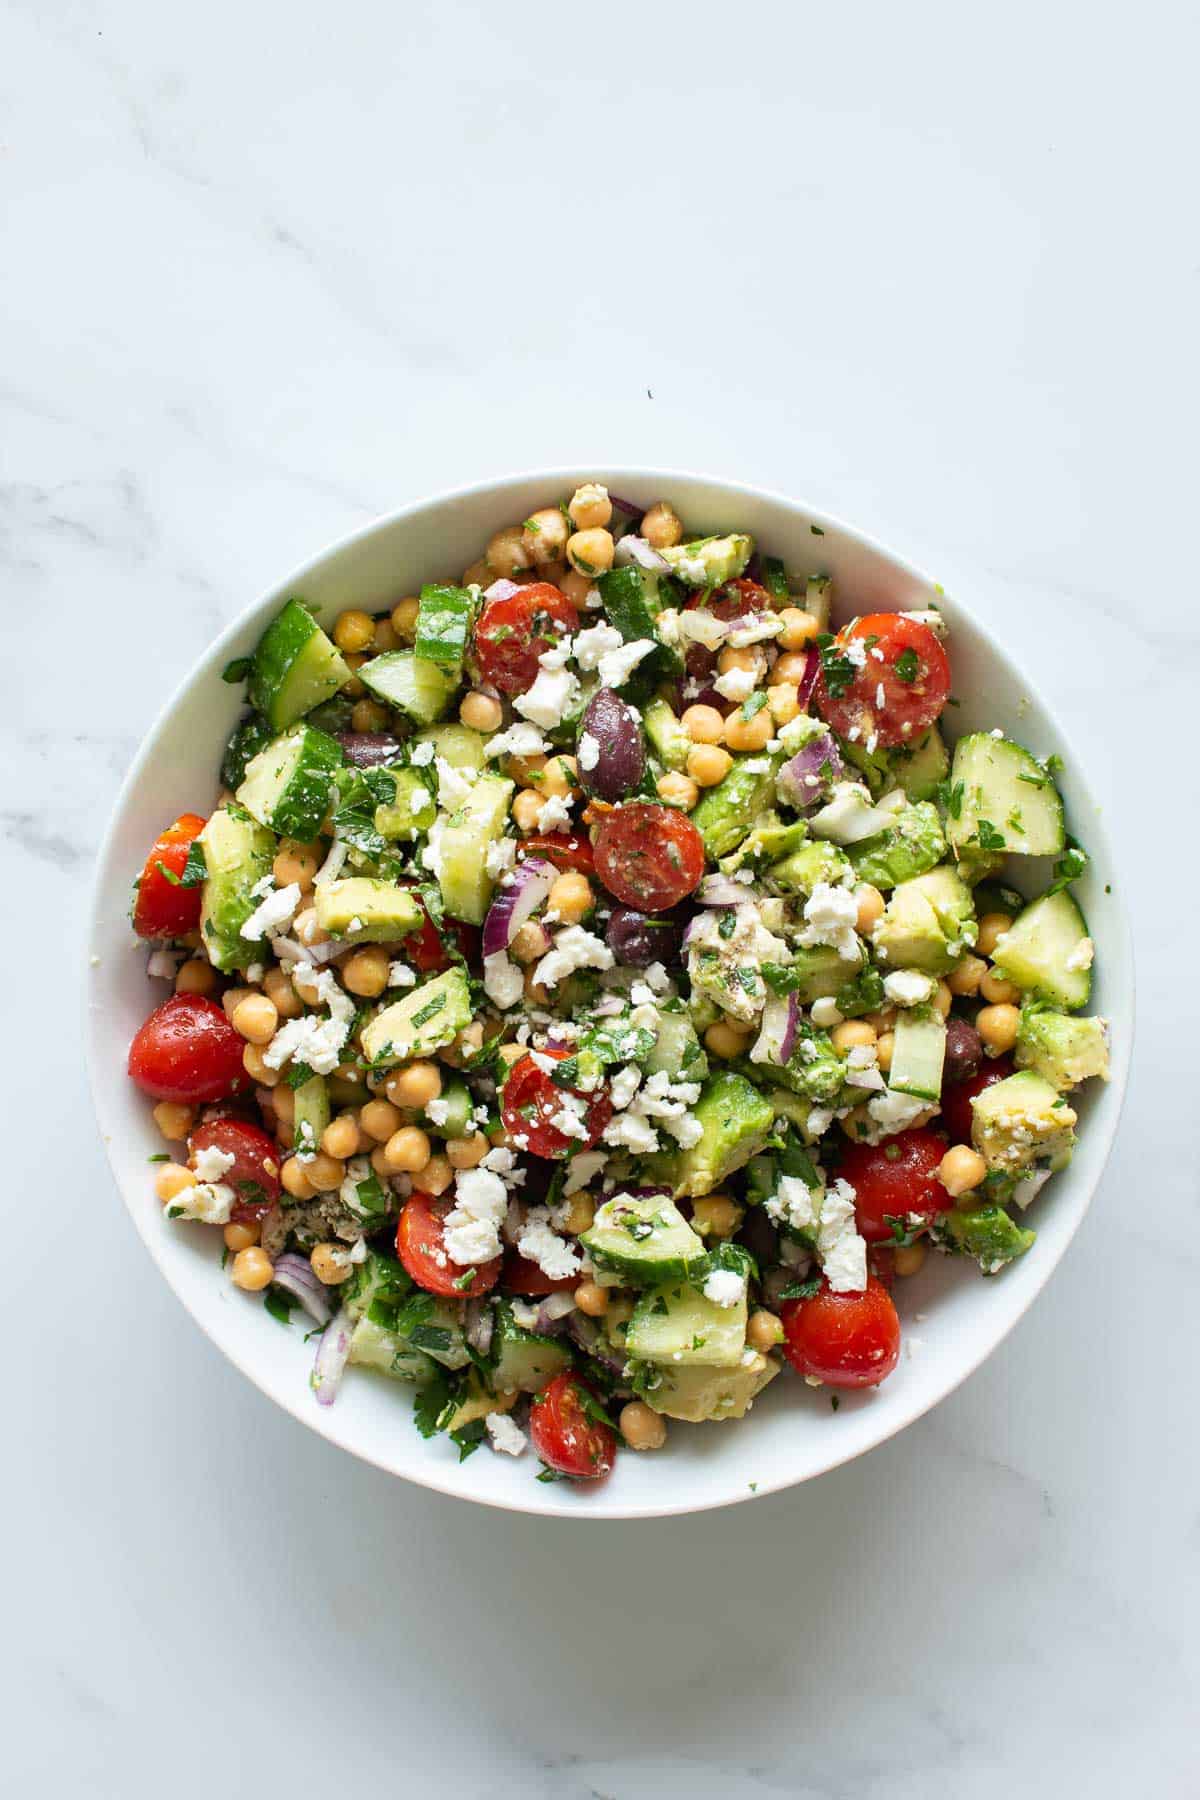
(907, 665)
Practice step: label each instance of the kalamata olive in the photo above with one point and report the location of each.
(368, 749)
(610, 752)
(639, 939)
(759, 1236)
(964, 1052)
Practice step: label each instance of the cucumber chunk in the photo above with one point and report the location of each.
(627, 606)
(1002, 799)
(418, 688)
(668, 740)
(288, 785)
(644, 1239)
(364, 911)
(462, 857)
(523, 1359)
(456, 744)
(444, 625)
(918, 1054)
(699, 1393)
(374, 1346)
(238, 852)
(295, 667)
(678, 1325)
(421, 1023)
(455, 1110)
(1047, 951)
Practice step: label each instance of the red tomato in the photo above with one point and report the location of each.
(520, 1276)
(881, 1261)
(957, 1097)
(737, 598)
(899, 692)
(164, 909)
(420, 1245)
(426, 949)
(511, 634)
(565, 1437)
(530, 1100)
(845, 1340)
(895, 1178)
(254, 1172)
(187, 1050)
(650, 856)
(565, 849)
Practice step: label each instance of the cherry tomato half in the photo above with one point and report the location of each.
(956, 1116)
(737, 598)
(899, 691)
(564, 1435)
(520, 1276)
(894, 1179)
(845, 1340)
(421, 1247)
(426, 949)
(565, 849)
(530, 1101)
(163, 908)
(254, 1173)
(187, 1050)
(650, 856)
(511, 634)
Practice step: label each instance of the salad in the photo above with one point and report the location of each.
(597, 985)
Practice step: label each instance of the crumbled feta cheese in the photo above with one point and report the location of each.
(794, 1204)
(840, 1249)
(555, 813)
(594, 642)
(736, 684)
(518, 740)
(830, 914)
(538, 1241)
(754, 628)
(552, 696)
(501, 856)
(209, 1202)
(472, 1228)
(437, 1110)
(583, 1168)
(556, 655)
(570, 1118)
(588, 750)
(855, 652)
(616, 666)
(401, 976)
(1081, 956)
(657, 977)
(909, 987)
(700, 626)
(724, 1287)
(623, 1087)
(211, 1162)
(503, 981)
(572, 949)
(454, 785)
(505, 1436)
(422, 754)
(826, 1012)
(631, 1132)
(273, 914)
(893, 1112)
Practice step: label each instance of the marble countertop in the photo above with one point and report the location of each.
(270, 270)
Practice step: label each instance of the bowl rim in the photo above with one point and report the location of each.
(324, 1422)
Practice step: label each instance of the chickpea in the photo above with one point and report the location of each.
(726, 1040)
(784, 702)
(870, 908)
(466, 1045)
(790, 668)
(525, 810)
(414, 1086)
(749, 661)
(256, 1068)
(404, 614)
(506, 552)
(961, 1169)
(294, 1177)
(174, 1121)
(510, 1054)
(571, 896)
(661, 527)
(365, 972)
(353, 689)
(966, 975)
(530, 943)
(255, 1019)
(589, 506)
(764, 1330)
(386, 637)
(578, 1213)
(678, 790)
(295, 863)
(482, 712)
(282, 995)
(195, 977)
(341, 1138)
(992, 928)
(326, 1173)
(240, 1237)
(884, 1019)
(232, 998)
(467, 1152)
(560, 776)
(172, 1180)
(407, 1150)
(435, 1177)
(590, 552)
(909, 1259)
(353, 631)
(330, 1264)
(641, 1427)
(309, 930)
(708, 764)
(703, 724)
(380, 1120)
(885, 1049)
(577, 587)
(942, 1000)
(799, 628)
(544, 535)
(853, 1034)
(368, 715)
(997, 1027)
(716, 1215)
(379, 1161)
(283, 1102)
(994, 988)
(252, 1269)
(591, 1299)
(754, 733)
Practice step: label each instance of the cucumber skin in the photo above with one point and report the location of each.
(299, 811)
(420, 689)
(279, 689)
(227, 894)
(444, 621)
(465, 884)
(986, 767)
(1042, 972)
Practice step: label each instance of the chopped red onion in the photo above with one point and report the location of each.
(500, 590)
(478, 1325)
(808, 681)
(292, 950)
(295, 1274)
(333, 1352)
(637, 552)
(805, 780)
(529, 888)
(721, 890)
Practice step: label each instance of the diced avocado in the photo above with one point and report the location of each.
(426, 1323)
(918, 1054)
(295, 667)
(1002, 799)
(456, 744)
(644, 1239)
(1021, 1121)
(814, 861)
(1061, 1049)
(365, 911)
(735, 1123)
(444, 616)
(677, 1324)
(916, 769)
(814, 1068)
(289, 784)
(771, 840)
(238, 853)
(728, 811)
(668, 740)
(850, 816)
(697, 1393)
(425, 1019)
(466, 886)
(525, 1360)
(411, 812)
(926, 923)
(709, 562)
(249, 736)
(726, 953)
(420, 689)
(909, 846)
(677, 1049)
(819, 972)
(375, 1346)
(1047, 951)
(986, 1232)
(311, 1115)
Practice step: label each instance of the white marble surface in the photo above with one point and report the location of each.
(270, 269)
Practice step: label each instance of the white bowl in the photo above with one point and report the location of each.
(792, 1434)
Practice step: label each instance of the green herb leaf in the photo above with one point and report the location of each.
(195, 869)
(1069, 867)
(237, 670)
(279, 1303)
